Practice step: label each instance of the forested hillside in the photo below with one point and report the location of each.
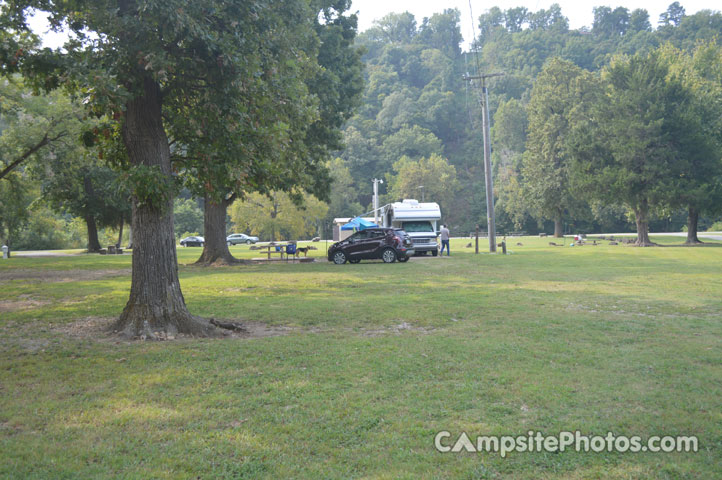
(609, 128)
(416, 106)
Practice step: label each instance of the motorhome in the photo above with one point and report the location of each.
(419, 220)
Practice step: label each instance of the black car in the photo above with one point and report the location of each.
(388, 244)
(192, 242)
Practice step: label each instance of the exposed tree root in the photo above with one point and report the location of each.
(147, 327)
(221, 262)
(645, 244)
(236, 327)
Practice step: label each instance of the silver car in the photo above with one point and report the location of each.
(236, 238)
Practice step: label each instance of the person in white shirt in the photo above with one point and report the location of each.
(445, 240)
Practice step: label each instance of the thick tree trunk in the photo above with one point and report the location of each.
(642, 221)
(692, 219)
(156, 308)
(215, 248)
(558, 227)
(93, 242)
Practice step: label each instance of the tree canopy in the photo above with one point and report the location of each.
(223, 81)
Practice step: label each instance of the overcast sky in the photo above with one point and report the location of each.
(579, 12)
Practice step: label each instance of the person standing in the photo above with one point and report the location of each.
(445, 240)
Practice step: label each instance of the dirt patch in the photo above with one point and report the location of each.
(99, 329)
(396, 330)
(61, 275)
(21, 304)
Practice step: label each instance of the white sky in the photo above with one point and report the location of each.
(579, 12)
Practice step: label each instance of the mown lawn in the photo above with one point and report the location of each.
(375, 361)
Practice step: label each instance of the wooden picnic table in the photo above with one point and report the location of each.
(271, 248)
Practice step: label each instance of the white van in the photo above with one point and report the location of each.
(419, 220)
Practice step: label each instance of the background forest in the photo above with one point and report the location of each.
(418, 127)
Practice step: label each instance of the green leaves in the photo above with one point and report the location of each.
(150, 185)
(545, 164)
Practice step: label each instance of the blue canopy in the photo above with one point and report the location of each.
(358, 223)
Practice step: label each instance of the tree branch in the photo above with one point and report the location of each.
(45, 141)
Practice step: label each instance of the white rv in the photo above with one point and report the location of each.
(419, 220)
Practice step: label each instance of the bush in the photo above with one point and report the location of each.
(44, 231)
(715, 227)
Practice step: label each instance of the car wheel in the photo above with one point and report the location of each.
(229, 243)
(248, 242)
(355, 260)
(388, 255)
(434, 252)
(403, 259)
(339, 258)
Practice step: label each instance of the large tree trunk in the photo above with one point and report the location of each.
(215, 248)
(156, 308)
(692, 219)
(642, 221)
(93, 242)
(558, 227)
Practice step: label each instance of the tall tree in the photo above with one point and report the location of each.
(509, 137)
(342, 199)
(277, 216)
(558, 90)
(623, 150)
(142, 61)
(433, 174)
(15, 203)
(673, 15)
(441, 32)
(78, 185)
(333, 78)
(698, 137)
(41, 136)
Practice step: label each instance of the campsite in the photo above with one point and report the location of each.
(342, 374)
(354, 239)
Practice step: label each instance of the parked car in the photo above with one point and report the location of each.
(388, 244)
(236, 238)
(192, 242)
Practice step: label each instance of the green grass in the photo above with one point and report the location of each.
(378, 359)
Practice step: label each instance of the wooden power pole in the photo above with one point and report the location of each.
(490, 217)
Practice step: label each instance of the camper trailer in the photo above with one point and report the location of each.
(419, 220)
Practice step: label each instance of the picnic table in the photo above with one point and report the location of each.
(280, 248)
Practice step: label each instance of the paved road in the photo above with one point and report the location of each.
(42, 253)
(710, 235)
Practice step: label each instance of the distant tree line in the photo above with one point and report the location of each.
(416, 106)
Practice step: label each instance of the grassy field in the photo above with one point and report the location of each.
(372, 361)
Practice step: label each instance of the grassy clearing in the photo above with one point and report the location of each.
(378, 359)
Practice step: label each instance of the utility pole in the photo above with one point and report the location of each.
(422, 192)
(490, 217)
(376, 199)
